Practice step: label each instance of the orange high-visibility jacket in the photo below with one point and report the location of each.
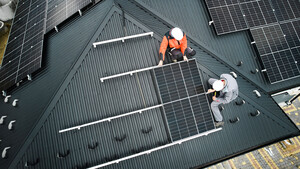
(169, 41)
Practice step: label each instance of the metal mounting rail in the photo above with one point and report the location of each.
(136, 71)
(123, 38)
(123, 115)
(155, 149)
(110, 118)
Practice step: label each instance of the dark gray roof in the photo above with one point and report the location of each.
(69, 92)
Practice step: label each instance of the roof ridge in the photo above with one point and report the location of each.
(204, 47)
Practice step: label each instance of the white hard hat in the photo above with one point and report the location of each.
(177, 33)
(218, 85)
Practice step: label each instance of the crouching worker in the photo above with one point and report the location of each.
(228, 88)
(175, 43)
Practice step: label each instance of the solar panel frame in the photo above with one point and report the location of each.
(60, 10)
(290, 34)
(27, 32)
(253, 14)
(295, 5)
(283, 10)
(296, 54)
(180, 113)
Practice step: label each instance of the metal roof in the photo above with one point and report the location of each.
(69, 92)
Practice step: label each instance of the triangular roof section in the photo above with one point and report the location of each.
(82, 98)
(63, 97)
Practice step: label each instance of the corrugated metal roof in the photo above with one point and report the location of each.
(193, 18)
(34, 96)
(82, 98)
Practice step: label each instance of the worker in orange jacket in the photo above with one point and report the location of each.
(175, 43)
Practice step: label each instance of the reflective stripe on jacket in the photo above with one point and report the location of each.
(169, 41)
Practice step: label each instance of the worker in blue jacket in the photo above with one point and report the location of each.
(228, 88)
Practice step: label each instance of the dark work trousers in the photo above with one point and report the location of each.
(176, 54)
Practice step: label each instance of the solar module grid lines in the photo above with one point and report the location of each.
(60, 10)
(274, 44)
(27, 33)
(227, 16)
(182, 81)
(283, 10)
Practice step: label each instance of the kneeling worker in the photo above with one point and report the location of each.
(175, 43)
(228, 88)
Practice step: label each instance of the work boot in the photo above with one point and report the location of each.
(219, 124)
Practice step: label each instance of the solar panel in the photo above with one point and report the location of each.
(237, 17)
(25, 43)
(267, 11)
(283, 10)
(180, 119)
(183, 95)
(253, 14)
(295, 5)
(200, 107)
(227, 16)
(286, 64)
(290, 34)
(296, 55)
(296, 25)
(60, 10)
(274, 45)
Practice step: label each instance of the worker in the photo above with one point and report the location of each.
(228, 88)
(175, 43)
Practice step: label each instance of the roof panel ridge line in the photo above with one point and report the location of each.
(200, 44)
(156, 149)
(252, 102)
(139, 24)
(61, 89)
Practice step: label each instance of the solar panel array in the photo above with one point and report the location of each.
(185, 103)
(278, 46)
(60, 10)
(274, 25)
(23, 53)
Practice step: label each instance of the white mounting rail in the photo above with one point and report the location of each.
(136, 71)
(123, 38)
(155, 149)
(123, 115)
(110, 118)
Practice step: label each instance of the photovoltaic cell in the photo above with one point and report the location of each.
(295, 5)
(180, 119)
(222, 20)
(185, 104)
(283, 10)
(286, 64)
(275, 37)
(296, 25)
(261, 41)
(274, 45)
(237, 17)
(200, 107)
(215, 3)
(21, 54)
(253, 14)
(290, 34)
(296, 55)
(267, 11)
(60, 10)
(272, 68)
